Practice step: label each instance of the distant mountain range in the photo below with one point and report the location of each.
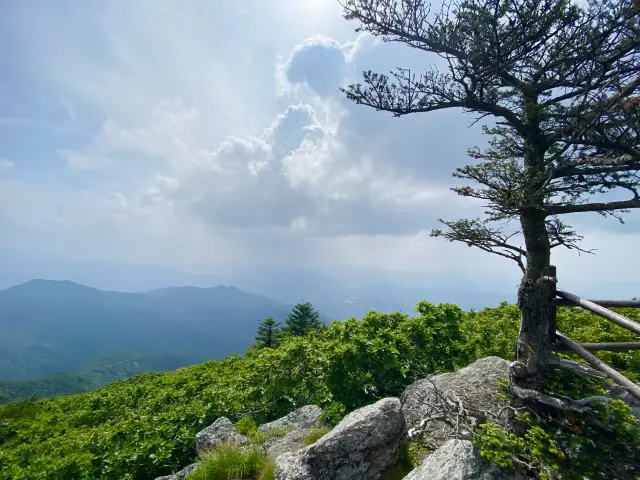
(60, 326)
(61, 336)
(219, 296)
(337, 292)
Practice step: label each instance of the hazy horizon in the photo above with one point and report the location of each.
(124, 144)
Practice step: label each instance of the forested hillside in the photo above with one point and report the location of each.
(52, 327)
(144, 427)
(95, 375)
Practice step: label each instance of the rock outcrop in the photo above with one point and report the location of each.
(304, 417)
(181, 475)
(220, 431)
(298, 425)
(457, 460)
(364, 446)
(472, 388)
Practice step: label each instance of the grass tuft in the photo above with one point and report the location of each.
(230, 461)
(315, 435)
(267, 472)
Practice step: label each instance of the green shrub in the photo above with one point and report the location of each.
(415, 450)
(246, 425)
(568, 448)
(332, 414)
(143, 427)
(505, 449)
(228, 462)
(493, 331)
(21, 409)
(568, 384)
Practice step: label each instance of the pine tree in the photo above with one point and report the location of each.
(268, 334)
(303, 318)
(561, 80)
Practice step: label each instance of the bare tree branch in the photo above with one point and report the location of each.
(476, 233)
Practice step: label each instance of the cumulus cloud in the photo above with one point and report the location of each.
(318, 62)
(296, 125)
(322, 172)
(180, 144)
(424, 146)
(297, 176)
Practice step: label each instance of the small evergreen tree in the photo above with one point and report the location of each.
(303, 318)
(268, 334)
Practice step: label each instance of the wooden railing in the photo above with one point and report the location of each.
(560, 342)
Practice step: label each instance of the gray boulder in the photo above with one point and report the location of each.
(220, 431)
(304, 417)
(364, 446)
(298, 424)
(473, 387)
(457, 460)
(181, 474)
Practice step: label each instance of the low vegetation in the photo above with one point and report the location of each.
(230, 462)
(410, 456)
(314, 435)
(96, 375)
(248, 427)
(144, 427)
(603, 445)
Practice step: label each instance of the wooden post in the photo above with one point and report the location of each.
(598, 364)
(551, 273)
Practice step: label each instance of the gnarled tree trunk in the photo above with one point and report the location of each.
(534, 301)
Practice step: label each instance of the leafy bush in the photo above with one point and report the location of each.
(332, 414)
(567, 446)
(144, 427)
(581, 326)
(246, 425)
(535, 449)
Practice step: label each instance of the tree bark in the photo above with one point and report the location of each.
(535, 301)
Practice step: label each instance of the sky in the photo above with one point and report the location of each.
(196, 134)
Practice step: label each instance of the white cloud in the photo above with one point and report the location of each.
(6, 165)
(319, 62)
(165, 134)
(298, 169)
(79, 161)
(167, 183)
(204, 132)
